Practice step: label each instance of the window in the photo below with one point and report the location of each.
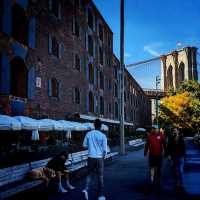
(90, 19)
(77, 96)
(109, 108)
(116, 110)
(77, 3)
(91, 102)
(116, 90)
(91, 73)
(75, 27)
(19, 24)
(77, 62)
(90, 45)
(109, 42)
(55, 47)
(1, 70)
(109, 84)
(100, 55)
(100, 32)
(101, 80)
(125, 97)
(18, 77)
(55, 8)
(101, 106)
(131, 116)
(1, 15)
(54, 87)
(115, 72)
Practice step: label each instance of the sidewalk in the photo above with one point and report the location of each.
(126, 178)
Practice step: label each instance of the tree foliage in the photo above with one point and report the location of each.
(182, 108)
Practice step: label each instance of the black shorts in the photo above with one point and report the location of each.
(155, 161)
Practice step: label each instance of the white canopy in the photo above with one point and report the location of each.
(27, 123)
(141, 129)
(90, 126)
(9, 123)
(68, 125)
(50, 125)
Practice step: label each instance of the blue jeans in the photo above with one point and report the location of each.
(96, 167)
(178, 162)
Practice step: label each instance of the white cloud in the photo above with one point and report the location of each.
(153, 48)
(127, 55)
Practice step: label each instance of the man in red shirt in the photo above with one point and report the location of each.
(155, 147)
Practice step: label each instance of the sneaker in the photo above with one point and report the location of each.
(62, 190)
(102, 198)
(70, 187)
(85, 194)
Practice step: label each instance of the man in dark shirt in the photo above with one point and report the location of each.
(58, 165)
(176, 153)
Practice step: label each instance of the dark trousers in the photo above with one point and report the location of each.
(155, 161)
(95, 167)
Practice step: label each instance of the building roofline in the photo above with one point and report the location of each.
(99, 13)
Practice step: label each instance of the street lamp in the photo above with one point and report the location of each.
(122, 145)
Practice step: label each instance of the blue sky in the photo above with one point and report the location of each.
(152, 28)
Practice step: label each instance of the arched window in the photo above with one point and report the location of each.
(91, 102)
(181, 72)
(91, 73)
(19, 24)
(101, 106)
(18, 77)
(170, 77)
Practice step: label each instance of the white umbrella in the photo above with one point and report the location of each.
(67, 125)
(50, 125)
(141, 129)
(27, 123)
(9, 123)
(35, 135)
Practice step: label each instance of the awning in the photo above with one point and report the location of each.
(92, 118)
(90, 126)
(9, 123)
(27, 123)
(50, 125)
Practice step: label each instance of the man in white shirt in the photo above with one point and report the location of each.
(96, 142)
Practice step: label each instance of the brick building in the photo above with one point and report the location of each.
(56, 59)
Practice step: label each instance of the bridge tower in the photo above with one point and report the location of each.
(178, 66)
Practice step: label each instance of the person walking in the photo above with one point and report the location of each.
(96, 142)
(176, 153)
(155, 147)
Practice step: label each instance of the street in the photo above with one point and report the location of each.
(126, 178)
